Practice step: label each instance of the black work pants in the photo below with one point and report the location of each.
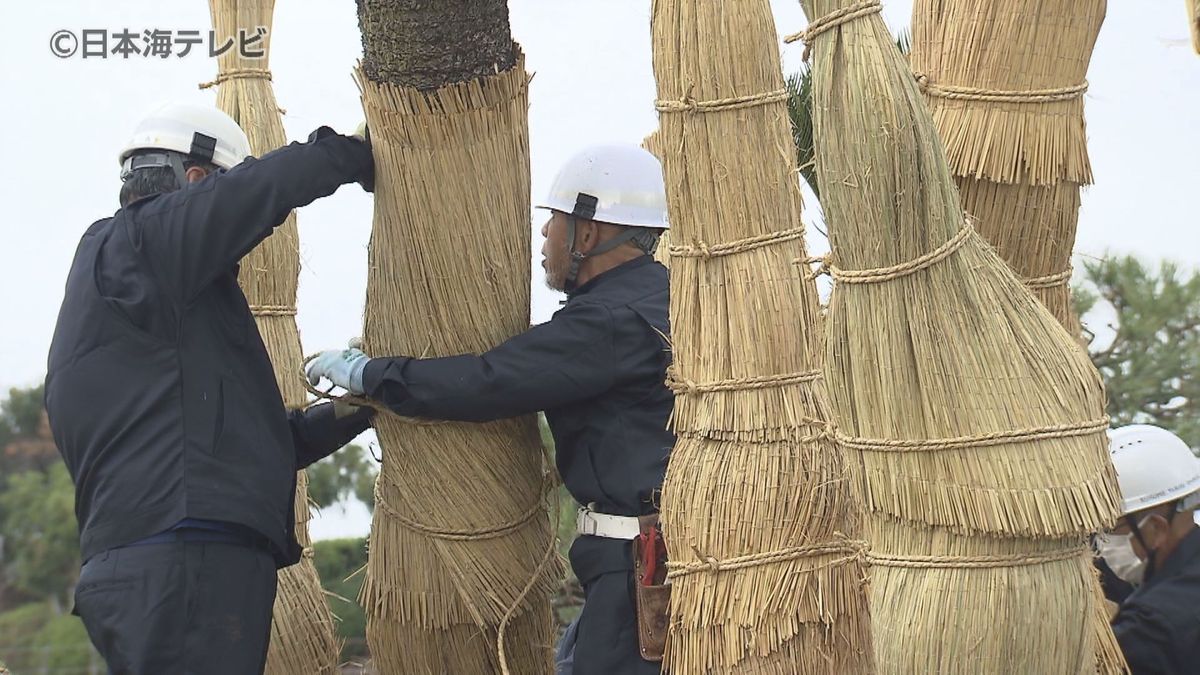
(183, 608)
(604, 639)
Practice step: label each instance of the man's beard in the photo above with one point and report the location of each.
(556, 276)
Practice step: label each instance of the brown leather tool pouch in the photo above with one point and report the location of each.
(653, 594)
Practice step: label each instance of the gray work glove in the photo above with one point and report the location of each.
(343, 367)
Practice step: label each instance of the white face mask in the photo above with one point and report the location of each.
(1117, 551)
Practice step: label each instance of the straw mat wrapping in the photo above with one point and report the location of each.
(1032, 227)
(461, 518)
(977, 420)
(943, 603)
(1193, 13)
(1006, 83)
(766, 567)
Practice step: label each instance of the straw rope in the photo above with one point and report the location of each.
(272, 310)
(894, 272)
(683, 386)
(854, 549)
(1050, 280)
(833, 20)
(780, 436)
(978, 441)
(706, 251)
(465, 534)
(688, 104)
(825, 431)
(547, 557)
(959, 93)
(975, 562)
(238, 74)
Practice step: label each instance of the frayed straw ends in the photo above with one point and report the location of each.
(1010, 114)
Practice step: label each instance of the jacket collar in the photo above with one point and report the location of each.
(606, 277)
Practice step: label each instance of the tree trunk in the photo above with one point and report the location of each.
(431, 43)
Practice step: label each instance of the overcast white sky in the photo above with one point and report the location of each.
(64, 120)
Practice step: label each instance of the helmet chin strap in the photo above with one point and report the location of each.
(202, 149)
(1151, 557)
(149, 160)
(575, 257)
(585, 208)
(178, 170)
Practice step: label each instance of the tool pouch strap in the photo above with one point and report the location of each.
(653, 594)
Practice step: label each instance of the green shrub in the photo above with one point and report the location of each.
(34, 638)
(337, 559)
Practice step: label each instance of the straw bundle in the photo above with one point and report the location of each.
(1193, 10)
(977, 421)
(766, 569)
(1032, 227)
(461, 517)
(944, 603)
(662, 254)
(1005, 83)
(302, 635)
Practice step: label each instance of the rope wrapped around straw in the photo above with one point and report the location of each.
(767, 569)
(302, 633)
(977, 421)
(944, 603)
(1005, 83)
(1032, 227)
(461, 518)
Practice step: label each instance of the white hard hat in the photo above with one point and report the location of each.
(202, 132)
(1154, 466)
(617, 184)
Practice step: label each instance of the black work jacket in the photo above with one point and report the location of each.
(597, 369)
(161, 395)
(1158, 626)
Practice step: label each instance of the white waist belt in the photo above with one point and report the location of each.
(595, 524)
